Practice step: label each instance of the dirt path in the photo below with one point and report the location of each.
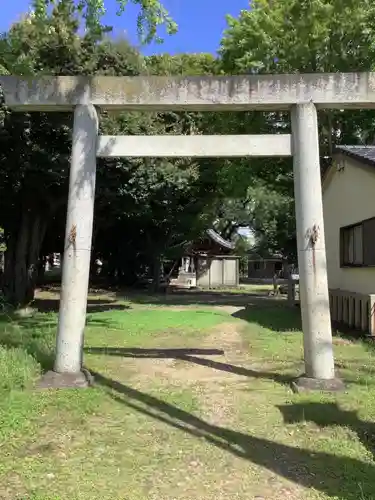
(222, 345)
(220, 383)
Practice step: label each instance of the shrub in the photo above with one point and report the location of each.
(18, 369)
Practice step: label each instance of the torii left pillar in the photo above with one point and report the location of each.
(68, 371)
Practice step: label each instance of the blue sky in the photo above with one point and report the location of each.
(201, 22)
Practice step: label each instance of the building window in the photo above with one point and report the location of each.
(357, 244)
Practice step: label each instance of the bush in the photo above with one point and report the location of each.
(18, 369)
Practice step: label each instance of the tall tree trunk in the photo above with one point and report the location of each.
(21, 258)
(41, 268)
(1, 261)
(38, 231)
(157, 272)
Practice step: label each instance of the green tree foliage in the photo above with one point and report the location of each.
(35, 147)
(326, 35)
(165, 204)
(151, 15)
(293, 36)
(145, 209)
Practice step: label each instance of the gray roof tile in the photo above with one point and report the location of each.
(220, 240)
(364, 154)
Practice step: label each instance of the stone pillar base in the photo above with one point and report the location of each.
(307, 384)
(54, 380)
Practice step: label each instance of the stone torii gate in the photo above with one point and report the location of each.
(299, 94)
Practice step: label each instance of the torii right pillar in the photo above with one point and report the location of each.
(314, 297)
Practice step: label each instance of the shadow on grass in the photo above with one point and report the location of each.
(93, 305)
(137, 352)
(330, 414)
(278, 318)
(282, 318)
(190, 356)
(337, 476)
(198, 297)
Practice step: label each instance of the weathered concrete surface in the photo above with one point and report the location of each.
(266, 92)
(194, 145)
(313, 284)
(54, 380)
(78, 236)
(307, 384)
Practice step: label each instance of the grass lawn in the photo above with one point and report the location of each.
(190, 402)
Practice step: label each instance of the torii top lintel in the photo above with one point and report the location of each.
(210, 93)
